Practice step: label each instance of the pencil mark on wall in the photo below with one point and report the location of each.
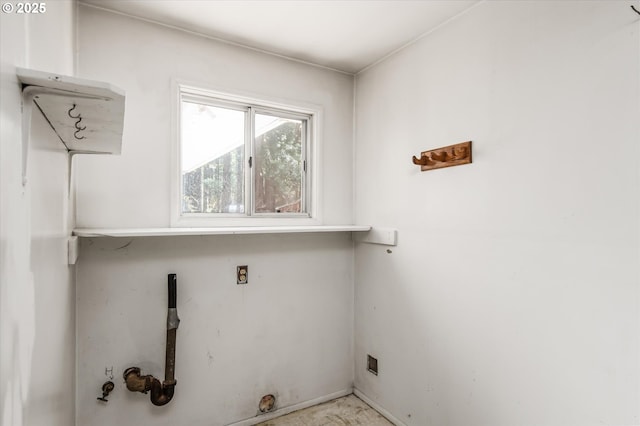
(126, 245)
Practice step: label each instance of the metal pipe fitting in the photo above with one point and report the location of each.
(161, 393)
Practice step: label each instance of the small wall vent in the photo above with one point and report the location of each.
(372, 365)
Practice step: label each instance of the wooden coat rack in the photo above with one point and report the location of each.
(453, 155)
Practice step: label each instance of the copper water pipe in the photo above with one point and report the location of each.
(161, 393)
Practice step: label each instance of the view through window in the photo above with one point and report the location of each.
(242, 160)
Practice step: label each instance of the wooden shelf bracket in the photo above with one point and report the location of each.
(87, 116)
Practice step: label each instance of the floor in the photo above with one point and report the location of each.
(348, 410)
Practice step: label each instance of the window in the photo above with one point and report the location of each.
(239, 158)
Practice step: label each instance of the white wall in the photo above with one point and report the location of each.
(287, 332)
(36, 286)
(290, 330)
(142, 59)
(513, 294)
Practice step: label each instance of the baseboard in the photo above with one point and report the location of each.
(378, 408)
(292, 408)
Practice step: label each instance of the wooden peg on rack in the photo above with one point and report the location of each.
(453, 155)
(424, 160)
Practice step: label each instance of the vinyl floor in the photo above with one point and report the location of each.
(346, 411)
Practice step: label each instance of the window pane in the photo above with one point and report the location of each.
(278, 164)
(212, 159)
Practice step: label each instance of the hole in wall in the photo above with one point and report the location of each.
(267, 403)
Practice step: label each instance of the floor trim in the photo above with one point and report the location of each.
(295, 407)
(378, 408)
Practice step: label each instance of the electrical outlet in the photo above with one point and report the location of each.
(242, 274)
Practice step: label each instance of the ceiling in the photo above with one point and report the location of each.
(346, 35)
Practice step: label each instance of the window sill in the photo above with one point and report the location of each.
(171, 232)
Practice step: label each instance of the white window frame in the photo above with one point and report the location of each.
(259, 104)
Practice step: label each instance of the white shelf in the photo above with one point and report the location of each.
(170, 232)
(87, 116)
